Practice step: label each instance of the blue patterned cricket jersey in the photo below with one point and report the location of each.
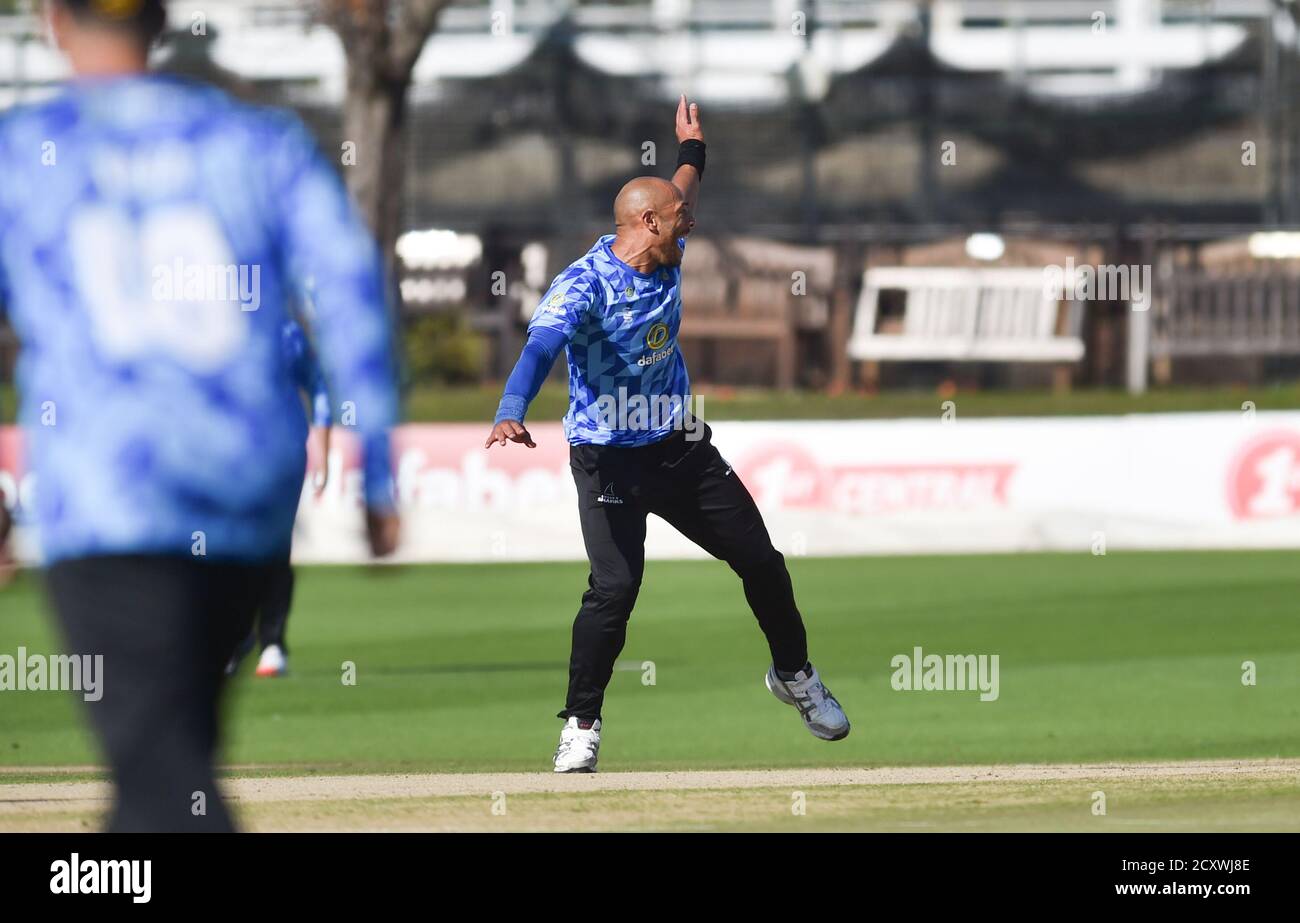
(627, 378)
(152, 233)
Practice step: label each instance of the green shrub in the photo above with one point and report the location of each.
(442, 348)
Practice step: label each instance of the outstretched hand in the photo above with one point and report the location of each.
(688, 121)
(318, 440)
(509, 431)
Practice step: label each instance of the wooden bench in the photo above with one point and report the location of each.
(743, 289)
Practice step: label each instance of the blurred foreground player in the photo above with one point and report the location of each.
(636, 449)
(150, 232)
(272, 619)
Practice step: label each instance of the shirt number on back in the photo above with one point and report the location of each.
(121, 267)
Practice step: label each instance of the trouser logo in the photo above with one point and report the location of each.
(608, 496)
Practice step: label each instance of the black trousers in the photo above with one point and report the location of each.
(273, 616)
(272, 613)
(166, 626)
(688, 484)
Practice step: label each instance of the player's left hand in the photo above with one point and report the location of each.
(318, 450)
(509, 431)
(688, 121)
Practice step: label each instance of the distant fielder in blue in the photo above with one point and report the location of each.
(270, 633)
(152, 231)
(636, 448)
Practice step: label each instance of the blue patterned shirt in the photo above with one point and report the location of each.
(152, 232)
(627, 378)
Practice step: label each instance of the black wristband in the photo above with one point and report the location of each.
(691, 152)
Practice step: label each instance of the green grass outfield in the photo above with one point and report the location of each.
(435, 403)
(430, 403)
(1128, 657)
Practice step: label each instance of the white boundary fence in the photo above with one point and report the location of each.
(1217, 480)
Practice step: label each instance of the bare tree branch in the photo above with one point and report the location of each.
(382, 40)
(416, 20)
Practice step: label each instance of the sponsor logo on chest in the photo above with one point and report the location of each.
(655, 340)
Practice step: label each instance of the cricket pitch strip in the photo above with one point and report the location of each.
(1218, 795)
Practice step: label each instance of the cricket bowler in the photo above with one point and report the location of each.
(635, 448)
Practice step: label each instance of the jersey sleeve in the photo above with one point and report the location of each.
(564, 308)
(539, 354)
(321, 411)
(307, 373)
(325, 240)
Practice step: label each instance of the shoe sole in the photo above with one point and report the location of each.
(271, 672)
(782, 696)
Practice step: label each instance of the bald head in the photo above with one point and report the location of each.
(645, 193)
(650, 217)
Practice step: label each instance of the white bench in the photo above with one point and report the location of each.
(964, 315)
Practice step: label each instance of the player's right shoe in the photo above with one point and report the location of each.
(273, 661)
(578, 746)
(821, 711)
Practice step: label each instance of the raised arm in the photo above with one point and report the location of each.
(690, 152)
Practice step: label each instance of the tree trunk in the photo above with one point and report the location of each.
(374, 131)
(382, 40)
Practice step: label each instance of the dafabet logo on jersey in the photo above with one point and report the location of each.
(657, 336)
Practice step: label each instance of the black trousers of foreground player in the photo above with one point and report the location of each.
(166, 627)
(687, 483)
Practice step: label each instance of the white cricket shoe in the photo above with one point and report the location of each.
(273, 662)
(578, 747)
(818, 708)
